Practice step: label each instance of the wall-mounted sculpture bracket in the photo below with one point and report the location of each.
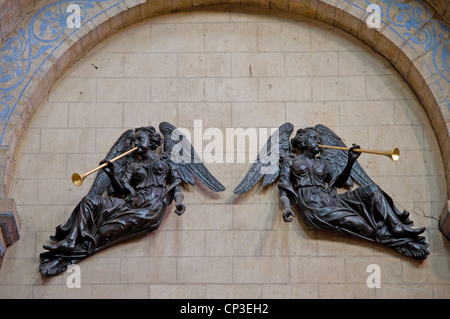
(9, 228)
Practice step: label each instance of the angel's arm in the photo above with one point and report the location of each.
(178, 196)
(284, 186)
(118, 187)
(345, 174)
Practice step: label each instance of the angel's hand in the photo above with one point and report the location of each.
(109, 169)
(180, 208)
(352, 155)
(287, 213)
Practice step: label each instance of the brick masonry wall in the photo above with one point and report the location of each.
(230, 67)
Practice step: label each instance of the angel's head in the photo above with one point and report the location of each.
(147, 138)
(307, 139)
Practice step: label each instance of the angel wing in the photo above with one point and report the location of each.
(182, 153)
(267, 162)
(339, 158)
(123, 144)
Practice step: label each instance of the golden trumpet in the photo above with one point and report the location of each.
(78, 179)
(393, 154)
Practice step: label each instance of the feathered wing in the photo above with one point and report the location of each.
(123, 144)
(267, 162)
(339, 158)
(182, 153)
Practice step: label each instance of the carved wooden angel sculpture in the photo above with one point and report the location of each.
(128, 197)
(310, 180)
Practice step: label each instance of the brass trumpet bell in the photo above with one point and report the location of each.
(78, 179)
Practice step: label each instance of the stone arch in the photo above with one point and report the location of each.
(419, 60)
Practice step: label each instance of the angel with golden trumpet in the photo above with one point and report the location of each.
(309, 174)
(129, 195)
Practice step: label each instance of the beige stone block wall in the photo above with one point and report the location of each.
(229, 68)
